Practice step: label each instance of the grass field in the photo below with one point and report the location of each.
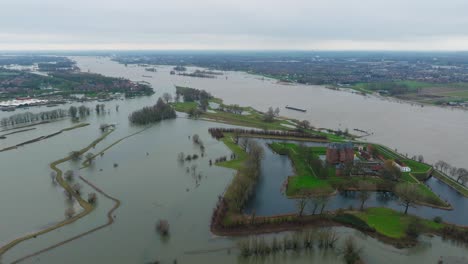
(184, 106)
(241, 155)
(391, 223)
(305, 179)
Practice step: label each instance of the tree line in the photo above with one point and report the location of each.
(242, 187)
(152, 114)
(218, 133)
(460, 174)
(28, 117)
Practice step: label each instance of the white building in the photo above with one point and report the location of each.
(402, 168)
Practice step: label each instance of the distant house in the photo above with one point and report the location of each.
(340, 153)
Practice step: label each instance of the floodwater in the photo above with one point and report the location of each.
(152, 184)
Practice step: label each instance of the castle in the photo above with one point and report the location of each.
(338, 153)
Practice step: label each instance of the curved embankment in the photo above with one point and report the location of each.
(87, 208)
(43, 137)
(110, 219)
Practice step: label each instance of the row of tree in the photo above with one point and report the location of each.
(218, 133)
(242, 187)
(80, 111)
(151, 114)
(460, 174)
(28, 117)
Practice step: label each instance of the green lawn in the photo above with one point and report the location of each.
(184, 106)
(392, 223)
(305, 178)
(241, 155)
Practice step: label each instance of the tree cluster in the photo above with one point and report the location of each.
(151, 114)
(270, 114)
(192, 94)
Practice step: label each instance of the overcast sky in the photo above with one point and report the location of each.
(239, 25)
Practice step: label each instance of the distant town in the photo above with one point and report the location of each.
(433, 78)
(37, 80)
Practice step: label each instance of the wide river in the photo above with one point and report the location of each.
(152, 185)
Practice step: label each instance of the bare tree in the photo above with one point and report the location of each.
(301, 204)
(89, 157)
(167, 97)
(92, 197)
(453, 171)
(69, 212)
(304, 124)
(277, 111)
(181, 157)
(269, 116)
(77, 188)
(53, 175)
(75, 155)
(196, 138)
(462, 175)
(409, 194)
(421, 158)
(69, 175)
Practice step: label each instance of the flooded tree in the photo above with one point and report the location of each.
(181, 157)
(53, 176)
(77, 188)
(351, 252)
(103, 127)
(196, 139)
(163, 227)
(69, 175)
(70, 212)
(89, 157)
(83, 111)
(167, 97)
(75, 155)
(92, 198)
(73, 111)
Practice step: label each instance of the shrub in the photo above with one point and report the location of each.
(414, 229)
(438, 219)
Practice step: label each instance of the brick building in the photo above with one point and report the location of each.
(340, 153)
